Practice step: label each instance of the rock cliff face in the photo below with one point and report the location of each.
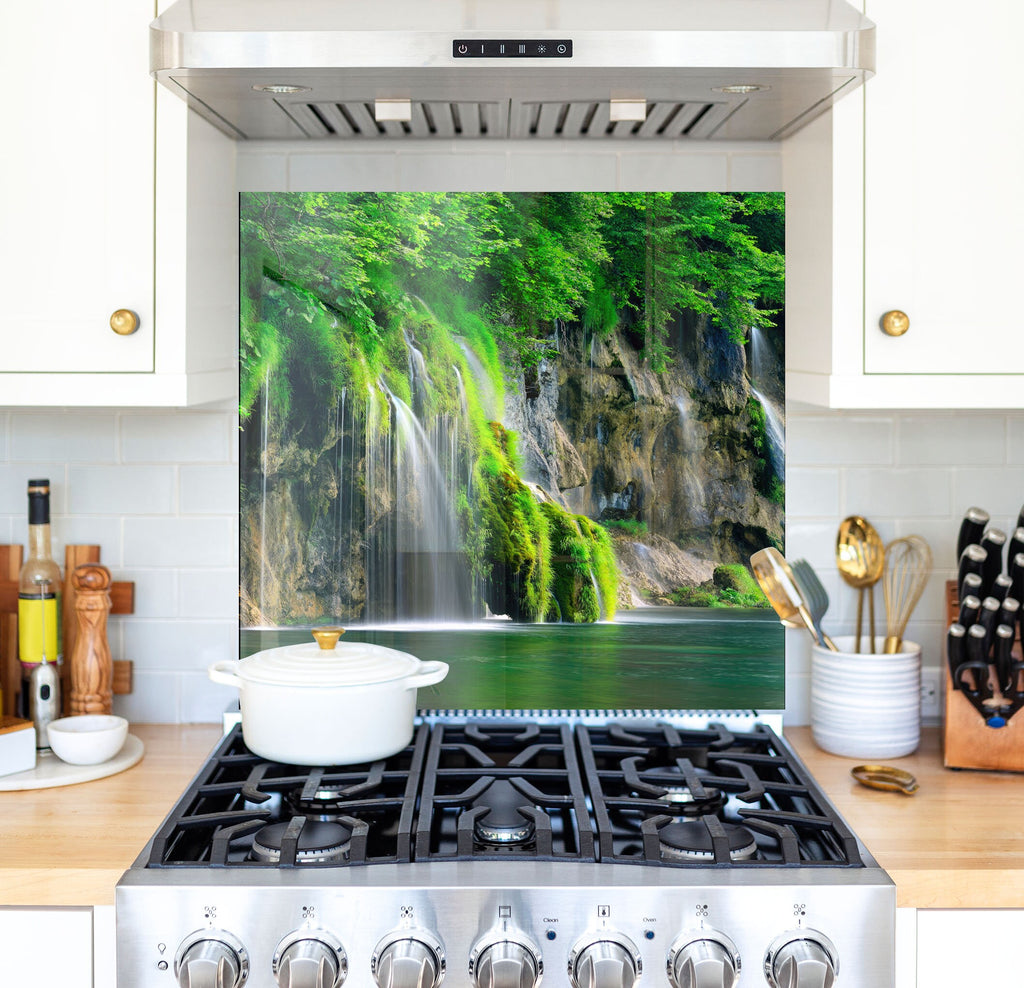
(676, 451)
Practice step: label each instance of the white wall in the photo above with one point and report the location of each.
(158, 489)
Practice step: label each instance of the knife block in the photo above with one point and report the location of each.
(967, 741)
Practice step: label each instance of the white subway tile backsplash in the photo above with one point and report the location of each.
(155, 698)
(209, 593)
(343, 172)
(121, 490)
(14, 480)
(639, 172)
(209, 490)
(468, 172)
(812, 493)
(86, 437)
(855, 441)
(999, 490)
(156, 645)
(157, 593)
(929, 440)
(82, 530)
(178, 542)
(203, 701)
(755, 172)
(1015, 439)
(897, 492)
(569, 172)
(182, 437)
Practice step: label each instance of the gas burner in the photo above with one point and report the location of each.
(502, 824)
(691, 841)
(682, 802)
(319, 843)
(327, 803)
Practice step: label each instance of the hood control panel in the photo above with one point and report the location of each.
(514, 48)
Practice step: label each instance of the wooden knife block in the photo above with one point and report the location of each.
(967, 741)
(122, 598)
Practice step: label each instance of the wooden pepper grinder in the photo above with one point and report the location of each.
(92, 670)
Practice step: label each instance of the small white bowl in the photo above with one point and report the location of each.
(88, 739)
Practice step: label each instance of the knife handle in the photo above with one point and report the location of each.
(972, 560)
(969, 608)
(972, 526)
(1003, 661)
(1016, 545)
(988, 618)
(1001, 587)
(1009, 612)
(977, 660)
(993, 542)
(1016, 572)
(956, 650)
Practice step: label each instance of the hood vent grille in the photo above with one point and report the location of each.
(576, 119)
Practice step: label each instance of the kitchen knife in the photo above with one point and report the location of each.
(1020, 518)
(969, 608)
(956, 650)
(973, 524)
(988, 618)
(977, 661)
(1009, 612)
(992, 542)
(1003, 660)
(972, 560)
(1017, 576)
(1016, 545)
(1000, 588)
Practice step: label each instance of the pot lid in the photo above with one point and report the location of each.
(347, 664)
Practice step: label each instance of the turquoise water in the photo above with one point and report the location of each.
(658, 657)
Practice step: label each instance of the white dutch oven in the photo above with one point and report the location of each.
(328, 704)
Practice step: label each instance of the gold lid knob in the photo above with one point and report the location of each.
(327, 638)
(895, 323)
(124, 322)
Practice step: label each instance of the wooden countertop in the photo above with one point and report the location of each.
(958, 843)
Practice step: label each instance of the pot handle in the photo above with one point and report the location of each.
(224, 672)
(430, 673)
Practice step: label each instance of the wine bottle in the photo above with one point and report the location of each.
(39, 592)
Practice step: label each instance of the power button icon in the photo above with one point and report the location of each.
(463, 49)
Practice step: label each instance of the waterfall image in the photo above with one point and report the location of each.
(537, 435)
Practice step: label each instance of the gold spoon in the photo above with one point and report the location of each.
(776, 580)
(860, 558)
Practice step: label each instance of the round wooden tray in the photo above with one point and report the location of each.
(50, 771)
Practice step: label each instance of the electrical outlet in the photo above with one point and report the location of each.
(931, 689)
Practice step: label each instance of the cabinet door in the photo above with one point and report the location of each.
(47, 948)
(969, 947)
(77, 189)
(944, 152)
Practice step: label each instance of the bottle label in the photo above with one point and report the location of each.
(37, 629)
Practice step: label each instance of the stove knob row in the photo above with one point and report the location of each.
(310, 959)
(505, 960)
(709, 960)
(211, 959)
(408, 959)
(604, 960)
(801, 959)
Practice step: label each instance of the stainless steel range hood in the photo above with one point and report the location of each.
(496, 69)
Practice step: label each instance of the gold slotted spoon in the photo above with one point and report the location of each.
(860, 558)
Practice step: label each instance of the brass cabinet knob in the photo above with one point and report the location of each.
(895, 323)
(124, 322)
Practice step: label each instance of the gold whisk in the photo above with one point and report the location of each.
(908, 562)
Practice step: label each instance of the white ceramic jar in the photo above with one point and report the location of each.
(307, 705)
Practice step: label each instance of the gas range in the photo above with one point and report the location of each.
(497, 851)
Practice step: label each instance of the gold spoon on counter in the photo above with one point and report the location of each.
(860, 558)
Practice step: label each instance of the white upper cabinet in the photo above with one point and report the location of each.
(101, 214)
(902, 199)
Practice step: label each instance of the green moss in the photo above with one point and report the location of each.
(585, 576)
(631, 526)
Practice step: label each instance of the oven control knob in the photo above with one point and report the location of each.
(409, 959)
(211, 959)
(310, 959)
(509, 963)
(801, 959)
(709, 960)
(607, 960)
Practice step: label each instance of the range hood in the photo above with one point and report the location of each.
(341, 70)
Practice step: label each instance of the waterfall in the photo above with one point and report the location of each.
(340, 534)
(419, 378)
(264, 436)
(485, 390)
(776, 433)
(597, 593)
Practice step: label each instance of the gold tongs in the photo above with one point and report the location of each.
(885, 777)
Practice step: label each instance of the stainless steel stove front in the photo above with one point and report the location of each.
(496, 924)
